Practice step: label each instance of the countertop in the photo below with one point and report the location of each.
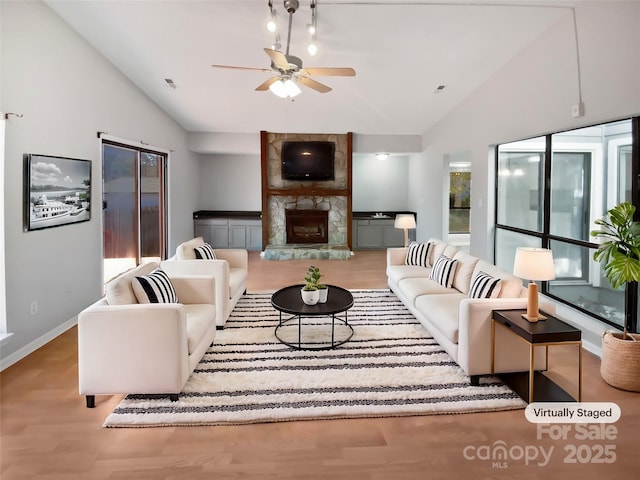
(248, 214)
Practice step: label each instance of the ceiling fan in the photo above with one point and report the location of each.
(289, 69)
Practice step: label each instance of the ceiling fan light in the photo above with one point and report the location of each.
(278, 89)
(312, 49)
(291, 88)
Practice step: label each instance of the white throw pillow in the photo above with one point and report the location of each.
(444, 270)
(154, 288)
(185, 250)
(484, 285)
(418, 254)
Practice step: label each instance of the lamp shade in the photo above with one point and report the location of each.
(405, 220)
(534, 264)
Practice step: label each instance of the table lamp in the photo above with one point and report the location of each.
(405, 221)
(534, 264)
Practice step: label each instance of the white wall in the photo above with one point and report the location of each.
(529, 96)
(67, 92)
(380, 185)
(230, 182)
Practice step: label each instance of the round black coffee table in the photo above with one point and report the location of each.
(316, 332)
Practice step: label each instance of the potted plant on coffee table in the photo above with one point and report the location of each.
(314, 273)
(309, 292)
(620, 256)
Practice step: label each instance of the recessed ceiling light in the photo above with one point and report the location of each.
(171, 83)
(439, 89)
(382, 156)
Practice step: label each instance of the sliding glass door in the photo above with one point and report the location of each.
(133, 203)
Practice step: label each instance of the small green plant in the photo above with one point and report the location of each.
(312, 279)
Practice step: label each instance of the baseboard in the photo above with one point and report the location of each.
(36, 344)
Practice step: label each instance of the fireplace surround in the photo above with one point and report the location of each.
(332, 197)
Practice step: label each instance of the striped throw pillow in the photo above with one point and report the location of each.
(205, 252)
(484, 285)
(154, 288)
(443, 271)
(418, 254)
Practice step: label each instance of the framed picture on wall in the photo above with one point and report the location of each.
(57, 191)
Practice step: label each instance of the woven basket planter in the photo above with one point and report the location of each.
(620, 366)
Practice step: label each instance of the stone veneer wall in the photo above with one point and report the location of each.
(320, 196)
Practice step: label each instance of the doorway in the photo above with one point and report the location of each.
(133, 207)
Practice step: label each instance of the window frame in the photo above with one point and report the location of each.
(545, 237)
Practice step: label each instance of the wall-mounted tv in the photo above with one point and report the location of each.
(312, 160)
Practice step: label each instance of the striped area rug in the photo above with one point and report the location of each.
(390, 367)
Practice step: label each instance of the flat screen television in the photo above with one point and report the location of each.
(312, 160)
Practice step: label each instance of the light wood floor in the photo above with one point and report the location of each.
(47, 433)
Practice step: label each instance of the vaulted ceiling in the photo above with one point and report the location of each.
(402, 51)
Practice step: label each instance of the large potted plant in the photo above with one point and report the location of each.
(620, 256)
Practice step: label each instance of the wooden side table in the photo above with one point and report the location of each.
(544, 333)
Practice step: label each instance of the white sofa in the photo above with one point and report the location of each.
(462, 325)
(146, 348)
(230, 269)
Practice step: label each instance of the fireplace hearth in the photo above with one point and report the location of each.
(307, 226)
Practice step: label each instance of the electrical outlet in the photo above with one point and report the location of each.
(34, 308)
(577, 110)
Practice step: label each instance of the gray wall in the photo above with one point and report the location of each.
(380, 185)
(67, 92)
(232, 182)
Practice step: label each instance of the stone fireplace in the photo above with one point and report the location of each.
(307, 226)
(302, 213)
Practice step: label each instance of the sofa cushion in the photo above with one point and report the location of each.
(395, 273)
(442, 311)
(236, 278)
(418, 254)
(441, 248)
(414, 287)
(511, 286)
(154, 288)
(444, 271)
(185, 251)
(119, 291)
(464, 271)
(204, 252)
(199, 320)
(485, 286)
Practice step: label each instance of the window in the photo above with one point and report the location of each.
(549, 191)
(133, 194)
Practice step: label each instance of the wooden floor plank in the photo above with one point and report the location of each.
(47, 433)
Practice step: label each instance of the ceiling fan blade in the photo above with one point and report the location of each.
(278, 59)
(335, 72)
(266, 84)
(243, 68)
(317, 86)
